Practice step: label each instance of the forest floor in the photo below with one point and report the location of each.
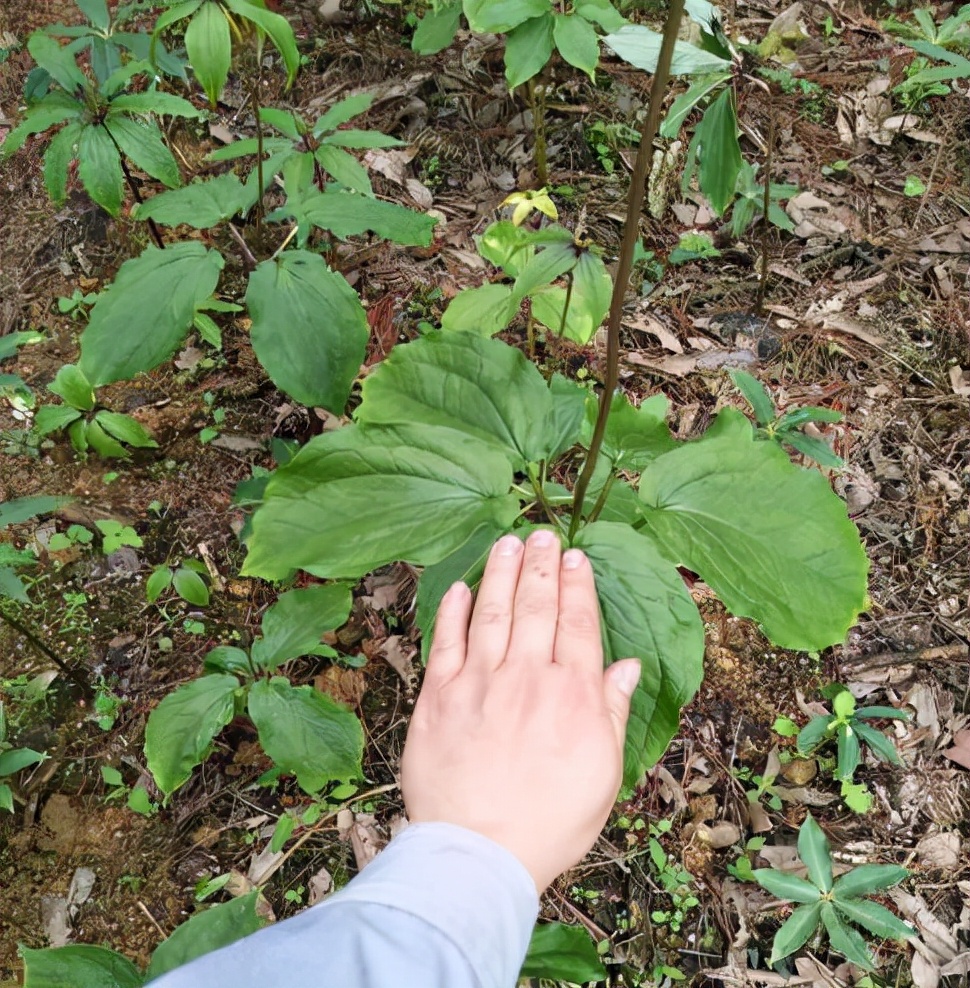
(867, 310)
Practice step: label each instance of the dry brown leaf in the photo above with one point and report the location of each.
(719, 835)
(646, 322)
(960, 381)
(940, 850)
(960, 751)
(364, 839)
(399, 654)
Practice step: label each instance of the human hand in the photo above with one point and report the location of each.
(518, 731)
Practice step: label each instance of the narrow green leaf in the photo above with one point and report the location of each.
(54, 109)
(528, 49)
(102, 443)
(209, 46)
(17, 759)
(177, 12)
(100, 168)
(164, 287)
(201, 205)
(436, 30)
(58, 62)
(647, 613)
(771, 538)
(24, 508)
(205, 931)
(309, 329)
(844, 939)
(142, 144)
(71, 385)
(785, 886)
(878, 742)
(562, 953)
(867, 879)
(813, 733)
(328, 510)
(814, 448)
(483, 387)
(849, 753)
(756, 395)
(600, 12)
(344, 168)
(543, 269)
(342, 112)
(576, 40)
(182, 727)
(294, 624)
(158, 583)
(277, 27)
(698, 90)
(361, 139)
(190, 587)
(96, 11)
(875, 918)
(153, 101)
(720, 152)
(485, 310)
(813, 849)
(288, 124)
(61, 151)
(306, 733)
(79, 965)
(640, 46)
(876, 713)
(126, 429)
(795, 931)
(799, 416)
(52, 418)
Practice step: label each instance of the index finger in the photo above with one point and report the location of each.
(578, 641)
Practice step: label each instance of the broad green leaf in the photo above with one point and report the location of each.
(814, 448)
(771, 538)
(228, 658)
(306, 733)
(544, 268)
(844, 939)
(600, 12)
(813, 733)
(126, 429)
(51, 418)
(799, 416)
(528, 49)
(294, 624)
(785, 886)
(436, 30)
(24, 508)
(96, 11)
(205, 931)
(175, 13)
(647, 613)
(875, 918)
(17, 759)
(849, 753)
(181, 728)
(71, 385)
(342, 112)
(158, 583)
(843, 704)
(720, 152)
(640, 46)
(504, 245)
(485, 310)
(588, 302)
(277, 27)
(344, 168)
(12, 342)
(61, 151)
(876, 712)
(634, 436)
(57, 62)
(52, 110)
(562, 953)
(698, 90)
(99, 168)
(80, 966)
(163, 287)
(357, 498)
(813, 849)
(142, 143)
(755, 394)
(288, 124)
(795, 931)
(466, 563)
(309, 329)
(500, 16)
(345, 214)
(103, 444)
(867, 879)
(568, 409)
(209, 46)
(481, 386)
(201, 205)
(190, 587)
(164, 104)
(6, 793)
(576, 40)
(878, 742)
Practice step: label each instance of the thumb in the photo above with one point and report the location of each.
(619, 682)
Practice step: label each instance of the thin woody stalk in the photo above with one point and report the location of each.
(624, 268)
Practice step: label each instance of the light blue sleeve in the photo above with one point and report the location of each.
(439, 907)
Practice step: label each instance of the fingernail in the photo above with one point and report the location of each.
(508, 545)
(456, 591)
(572, 559)
(542, 538)
(628, 677)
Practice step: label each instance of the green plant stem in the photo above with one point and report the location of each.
(254, 101)
(565, 305)
(155, 232)
(759, 304)
(601, 500)
(40, 647)
(537, 484)
(537, 103)
(624, 268)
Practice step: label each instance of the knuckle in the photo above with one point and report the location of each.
(579, 620)
(491, 614)
(534, 604)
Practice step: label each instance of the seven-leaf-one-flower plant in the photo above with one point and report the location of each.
(833, 904)
(102, 126)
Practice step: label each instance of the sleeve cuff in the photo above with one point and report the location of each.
(474, 891)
